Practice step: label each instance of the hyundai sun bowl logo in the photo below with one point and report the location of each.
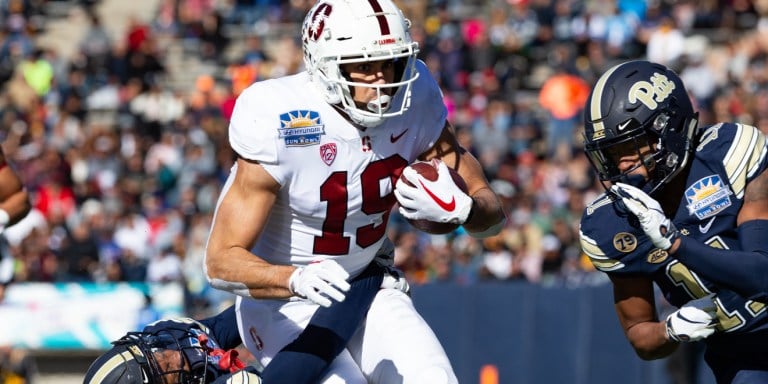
(707, 197)
(301, 128)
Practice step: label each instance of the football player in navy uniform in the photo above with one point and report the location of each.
(183, 350)
(180, 350)
(685, 208)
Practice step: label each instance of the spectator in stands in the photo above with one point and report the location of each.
(666, 44)
(562, 95)
(79, 253)
(96, 45)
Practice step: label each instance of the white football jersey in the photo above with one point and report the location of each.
(337, 180)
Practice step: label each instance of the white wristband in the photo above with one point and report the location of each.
(4, 217)
(292, 280)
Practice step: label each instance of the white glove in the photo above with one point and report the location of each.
(318, 281)
(395, 279)
(441, 201)
(694, 321)
(655, 223)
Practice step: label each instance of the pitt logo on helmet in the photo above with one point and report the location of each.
(651, 93)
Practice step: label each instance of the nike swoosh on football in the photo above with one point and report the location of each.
(448, 206)
(705, 228)
(393, 138)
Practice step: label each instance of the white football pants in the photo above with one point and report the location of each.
(393, 346)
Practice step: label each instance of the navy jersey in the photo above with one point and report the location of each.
(728, 156)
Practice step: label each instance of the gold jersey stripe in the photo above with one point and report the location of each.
(597, 256)
(114, 362)
(739, 157)
(758, 155)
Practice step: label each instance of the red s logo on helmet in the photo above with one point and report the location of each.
(317, 23)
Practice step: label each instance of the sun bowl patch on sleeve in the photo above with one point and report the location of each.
(301, 128)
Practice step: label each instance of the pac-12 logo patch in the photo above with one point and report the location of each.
(301, 128)
(707, 197)
(328, 153)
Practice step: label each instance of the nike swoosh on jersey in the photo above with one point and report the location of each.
(393, 138)
(705, 228)
(448, 206)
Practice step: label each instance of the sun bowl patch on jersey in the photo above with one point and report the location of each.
(301, 128)
(707, 197)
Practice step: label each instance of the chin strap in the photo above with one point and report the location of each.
(226, 360)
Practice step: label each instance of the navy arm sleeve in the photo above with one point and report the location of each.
(224, 328)
(743, 271)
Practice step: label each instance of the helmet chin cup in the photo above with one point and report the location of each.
(380, 104)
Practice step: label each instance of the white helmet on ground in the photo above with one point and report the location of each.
(337, 32)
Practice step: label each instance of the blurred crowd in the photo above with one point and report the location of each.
(124, 165)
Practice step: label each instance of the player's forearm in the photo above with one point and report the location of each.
(742, 271)
(487, 217)
(239, 271)
(17, 206)
(649, 339)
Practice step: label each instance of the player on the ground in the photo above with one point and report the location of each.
(307, 204)
(684, 209)
(184, 350)
(179, 350)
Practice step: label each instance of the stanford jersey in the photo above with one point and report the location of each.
(337, 180)
(336, 193)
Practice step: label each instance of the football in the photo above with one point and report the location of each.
(429, 172)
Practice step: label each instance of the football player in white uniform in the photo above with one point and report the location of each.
(307, 203)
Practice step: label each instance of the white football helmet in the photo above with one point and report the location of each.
(336, 32)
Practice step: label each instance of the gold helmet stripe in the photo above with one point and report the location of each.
(110, 365)
(597, 98)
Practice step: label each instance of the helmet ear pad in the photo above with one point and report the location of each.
(331, 91)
